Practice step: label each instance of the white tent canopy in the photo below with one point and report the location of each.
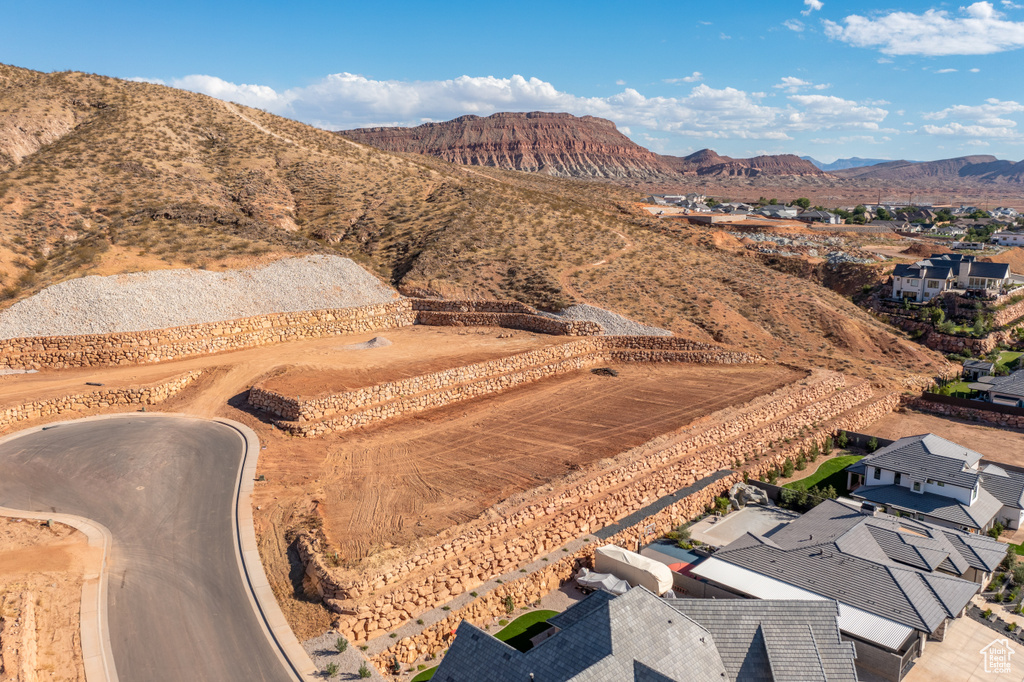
(633, 568)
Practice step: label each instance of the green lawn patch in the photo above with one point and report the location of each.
(516, 634)
(425, 675)
(830, 473)
(1007, 358)
(519, 632)
(1018, 549)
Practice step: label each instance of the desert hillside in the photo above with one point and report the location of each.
(103, 176)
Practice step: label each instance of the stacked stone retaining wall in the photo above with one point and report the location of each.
(113, 397)
(433, 577)
(127, 348)
(360, 407)
(531, 588)
(1011, 421)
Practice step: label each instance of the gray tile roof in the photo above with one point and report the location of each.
(923, 271)
(880, 564)
(976, 515)
(775, 639)
(603, 646)
(1012, 384)
(831, 521)
(1007, 486)
(980, 365)
(928, 456)
(989, 270)
(640, 637)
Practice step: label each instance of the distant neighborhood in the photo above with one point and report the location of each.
(968, 226)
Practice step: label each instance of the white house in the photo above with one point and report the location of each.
(924, 280)
(936, 480)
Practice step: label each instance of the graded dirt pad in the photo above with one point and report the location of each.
(41, 573)
(414, 350)
(996, 444)
(386, 486)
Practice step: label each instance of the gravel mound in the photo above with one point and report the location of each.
(612, 323)
(375, 342)
(172, 298)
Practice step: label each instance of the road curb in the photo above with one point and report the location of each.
(96, 651)
(96, 654)
(264, 603)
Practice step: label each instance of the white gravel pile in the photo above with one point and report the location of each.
(612, 323)
(172, 298)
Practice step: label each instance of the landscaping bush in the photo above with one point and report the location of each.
(787, 469)
(510, 604)
(364, 672)
(996, 530)
(341, 645)
(872, 444)
(843, 440)
(331, 669)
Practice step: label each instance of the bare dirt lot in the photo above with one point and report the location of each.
(41, 572)
(996, 444)
(383, 487)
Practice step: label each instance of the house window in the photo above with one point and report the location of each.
(930, 481)
(933, 284)
(878, 473)
(941, 484)
(917, 486)
(896, 478)
(911, 282)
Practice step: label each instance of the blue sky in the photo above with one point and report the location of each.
(918, 79)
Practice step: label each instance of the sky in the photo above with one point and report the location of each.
(918, 79)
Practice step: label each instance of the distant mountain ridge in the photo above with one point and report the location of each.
(983, 168)
(564, 145)
(843, 164)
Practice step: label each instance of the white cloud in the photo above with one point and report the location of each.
(827, 111)
(1012, 5)
(792, 84)
(620, 82)
(346, 100)
(812, 5)
(980, 29)
(140, 79)
(695, 77)
(794, 25)
(975, 70)
(988, 120)
(722, 36)
(946, 71)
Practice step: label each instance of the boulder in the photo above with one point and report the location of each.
(742, 494)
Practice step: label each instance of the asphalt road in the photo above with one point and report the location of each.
(178, 609)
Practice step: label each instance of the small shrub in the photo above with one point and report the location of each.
(996, 530)
(331, 669)
(872, 444)
(801, 464)
(393, 635)
(341, 645)
(510, 604)
(987, 613)
(419, 621)
(787, 469)
(364, 672)
(1011, 627)
(446, 608)
(502, 622)
(827, 448)
(473, 594)
(843, 440)
(363, 647)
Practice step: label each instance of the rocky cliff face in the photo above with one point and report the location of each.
(707, 163)
(555, 144)
(563, 145)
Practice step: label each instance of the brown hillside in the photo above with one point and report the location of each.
(133, 176)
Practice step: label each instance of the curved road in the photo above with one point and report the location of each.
(177, 607)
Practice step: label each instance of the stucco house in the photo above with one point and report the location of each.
(924, 280)
(937, 480)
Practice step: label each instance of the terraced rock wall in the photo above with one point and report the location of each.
(752, 437)
(351, 409)
(129, 348)
(73, 404)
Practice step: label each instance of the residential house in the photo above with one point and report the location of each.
(891, 225)
(637, 636)
(1006, 390)
(815, 216)
(975, 369)
(947, 230)
(899, 582)
(937, 480)
(923, 280)
(777, 211)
